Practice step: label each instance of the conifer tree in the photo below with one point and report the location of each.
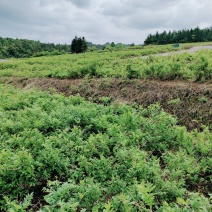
(180, 36)
(78, 45)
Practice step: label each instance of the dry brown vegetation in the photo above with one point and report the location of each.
(191, 102)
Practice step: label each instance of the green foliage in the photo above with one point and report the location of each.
(132, 74)
(105, 100)
(180, 36)
(17, 171)
(126, 63)
(78, 45)
(13, 206)
(194, 202)
(84, 195)
(112, 44)
(75, 155)
(22, 48)
(174, 101)
(203, 99)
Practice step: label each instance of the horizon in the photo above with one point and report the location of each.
(108, 42)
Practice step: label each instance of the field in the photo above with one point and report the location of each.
(117, 64)
(107, 131)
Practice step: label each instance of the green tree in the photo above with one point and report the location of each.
(180, 36)
(112, 44)
(84, 45)
(12, 50)
(79, 45)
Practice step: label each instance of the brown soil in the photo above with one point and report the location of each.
(190, 102)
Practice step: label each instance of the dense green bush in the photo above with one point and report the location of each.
(66, 154)
(131, 73)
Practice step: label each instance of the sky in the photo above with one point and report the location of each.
(100, 21)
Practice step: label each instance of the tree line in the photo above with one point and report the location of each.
(20, 48)
(23, 48)
(181, 36)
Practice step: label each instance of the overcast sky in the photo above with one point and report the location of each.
(100, 21)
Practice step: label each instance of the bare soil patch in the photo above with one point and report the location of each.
(189, 101)
(4, 60)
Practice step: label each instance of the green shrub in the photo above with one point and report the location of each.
(77, 155)
(131, 73)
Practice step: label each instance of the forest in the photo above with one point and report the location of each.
(181, 36)
(21, 48)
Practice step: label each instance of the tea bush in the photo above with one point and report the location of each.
(127, 63)
(67, 154)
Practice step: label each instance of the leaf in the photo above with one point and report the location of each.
(95, 209)
(181, 201)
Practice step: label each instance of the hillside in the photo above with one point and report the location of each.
(109, 130)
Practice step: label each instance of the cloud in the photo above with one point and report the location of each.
(158, 14)
(102, 21)
(81, 3)
(127, 7)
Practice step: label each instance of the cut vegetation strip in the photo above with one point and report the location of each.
(190, 102)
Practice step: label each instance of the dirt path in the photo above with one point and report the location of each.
(4, 60)
(191, 51)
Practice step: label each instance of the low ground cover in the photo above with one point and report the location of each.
(126, 63)
(67, 154)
